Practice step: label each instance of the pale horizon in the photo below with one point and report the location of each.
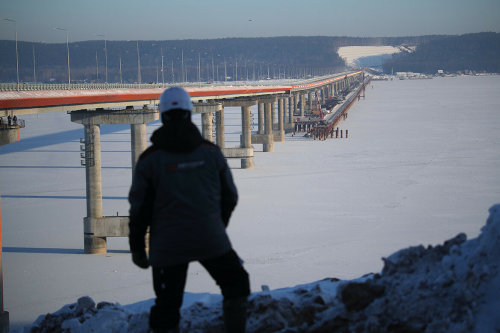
(166, 20)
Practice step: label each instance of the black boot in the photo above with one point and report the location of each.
(235, 315)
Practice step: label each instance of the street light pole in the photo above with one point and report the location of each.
(138, 65)
(34, 68)
(182, 65)
(121, 68)
(106, 57)
(67, 48)
(162, 73)
(17, 58)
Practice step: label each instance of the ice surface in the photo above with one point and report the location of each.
(420, 166)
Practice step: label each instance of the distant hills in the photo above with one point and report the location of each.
(478, 52)
(244, 57)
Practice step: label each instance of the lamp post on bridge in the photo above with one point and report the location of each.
(106, 57)
(67, 48)
(162, 73)
(17, 57)
(34, 68)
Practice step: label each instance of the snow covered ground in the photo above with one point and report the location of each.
(352, 53)
(420, 166)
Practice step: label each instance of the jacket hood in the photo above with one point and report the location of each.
(177, 136)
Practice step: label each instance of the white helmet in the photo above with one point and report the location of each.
(175, 98)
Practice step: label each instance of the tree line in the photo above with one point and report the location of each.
(479, 52)
(184, 60)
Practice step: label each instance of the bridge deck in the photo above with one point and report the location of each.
(36, 101)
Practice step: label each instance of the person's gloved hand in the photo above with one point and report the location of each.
(140, 259)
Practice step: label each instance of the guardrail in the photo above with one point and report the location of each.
(104, 86)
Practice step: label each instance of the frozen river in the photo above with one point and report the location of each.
(421, 164)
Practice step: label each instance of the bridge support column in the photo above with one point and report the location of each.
(287, 121)
(91, 243)
(260, 118)
(206, 126)
(279, 135)
(219, 129)
(207, 111)
(273, 114)
(9, 136)
(310, 99)
(95, 228)
(302, 105)
(245, 151)
(285, 103)
(246, 137)
(138, 142)
(269, 146)
(295, 100)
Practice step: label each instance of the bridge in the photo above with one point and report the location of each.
(95, 105)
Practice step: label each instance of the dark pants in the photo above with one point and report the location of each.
(169, 284)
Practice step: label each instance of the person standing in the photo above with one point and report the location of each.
(183, 190)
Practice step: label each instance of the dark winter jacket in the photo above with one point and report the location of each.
(183, 189)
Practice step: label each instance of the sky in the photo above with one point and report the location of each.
(196, 19)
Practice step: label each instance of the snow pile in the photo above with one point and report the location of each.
(452, 287)
(352, 53)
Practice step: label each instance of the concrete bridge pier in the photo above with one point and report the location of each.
(138, 142)
(294, 100)
(287, 115)
(96, 227)
(265, 134)
(220, 134)
(279, 135)
(269, 145)
(273, 113)
(285, 108)
(245, 151)
(310, 99)
(207, 111)
(246, 137)
(260, 116)
(8, 135)
(302, 105)
(206, 126)
(91, 243)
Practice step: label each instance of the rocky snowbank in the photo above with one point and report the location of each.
(454, 287)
